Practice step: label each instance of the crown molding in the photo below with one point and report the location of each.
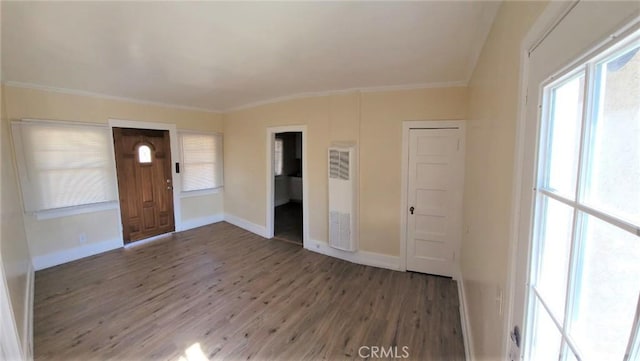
(47, 88)
(240, 107)
(377, 89)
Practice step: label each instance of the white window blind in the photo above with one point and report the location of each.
(278, 156)
(201, 161)
(62, 164)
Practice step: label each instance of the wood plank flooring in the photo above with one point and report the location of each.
(239, 297)
(288, 222)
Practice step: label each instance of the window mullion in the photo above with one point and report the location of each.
(574, 266)
(585, 130)
(547, 309)
(633, 347)
(573, 270)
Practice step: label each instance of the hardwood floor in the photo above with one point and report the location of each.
(288, 222)
(238, 296)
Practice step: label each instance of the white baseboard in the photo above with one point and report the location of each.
(464, 320)
(72, 254)
(359, 257)
(246, 225)
(27, 332)
(202, 221)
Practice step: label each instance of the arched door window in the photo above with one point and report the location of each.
(144, 154)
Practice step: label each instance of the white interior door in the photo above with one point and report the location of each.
(434, 198)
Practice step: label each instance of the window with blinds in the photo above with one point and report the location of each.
(201, 161)
(62, 164)
(278, 156)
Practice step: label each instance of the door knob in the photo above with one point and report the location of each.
(169, 187)
(411, 210)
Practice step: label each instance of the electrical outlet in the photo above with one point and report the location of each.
(499, 300)
(82, 238)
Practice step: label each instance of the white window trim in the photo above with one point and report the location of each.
(175, 155)
(200, 192)
(75, 210)
(519, 246)
(586, 65)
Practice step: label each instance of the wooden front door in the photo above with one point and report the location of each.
(143, 164)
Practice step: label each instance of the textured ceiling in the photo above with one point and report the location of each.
(225, 55)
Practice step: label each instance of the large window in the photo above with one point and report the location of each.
(201, 161)
(63, 164)
(585, 276)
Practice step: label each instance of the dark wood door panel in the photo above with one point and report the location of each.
(144, 182)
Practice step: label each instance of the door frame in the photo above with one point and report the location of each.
(407, 126)
(175, 156)
(9, 339)
(270, 174)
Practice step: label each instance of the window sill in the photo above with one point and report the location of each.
(75, 210)
(202, 192)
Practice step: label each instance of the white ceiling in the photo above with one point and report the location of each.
(224, 55)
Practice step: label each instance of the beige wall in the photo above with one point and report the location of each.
(14, 253)
(374, 120)
(62, 234)
(203, 206)
(491, 134)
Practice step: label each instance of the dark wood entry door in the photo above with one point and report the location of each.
(143, 164)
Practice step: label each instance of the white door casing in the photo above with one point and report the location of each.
(434, 200)
(10, 345)
(270, 183)
(175, 156)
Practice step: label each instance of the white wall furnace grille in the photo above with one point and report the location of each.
(342, 197)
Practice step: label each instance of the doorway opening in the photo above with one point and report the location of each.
(287, 190)
(287, 186)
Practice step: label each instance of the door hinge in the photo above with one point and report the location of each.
(458, 146)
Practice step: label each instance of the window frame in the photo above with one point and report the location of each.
(278, 156)
(24, 181)
(199, 192)
(579, 207)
